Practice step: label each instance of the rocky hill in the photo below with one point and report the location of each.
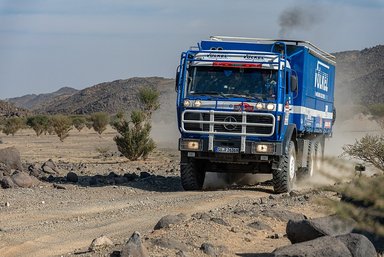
(35, 102)
(8, 109)
(111, 97)
(359, 79)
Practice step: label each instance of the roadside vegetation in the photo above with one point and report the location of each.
(362, 198)
(133, 139)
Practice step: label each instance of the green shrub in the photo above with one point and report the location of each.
(134, 141)
(12, 125)
(40, 124)
(61, 125)
(369, 149)
(149, 99)
(79, 122)
(100, 121)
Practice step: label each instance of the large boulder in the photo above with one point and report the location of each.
(308, 229)
(325, 246)
(23, 179)
(358, 245)
(134, 247)
(10, 157)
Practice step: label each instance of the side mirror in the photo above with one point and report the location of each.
(294, 83)
(177, 78)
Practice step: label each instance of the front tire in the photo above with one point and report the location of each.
(285, 176)
(192, 175)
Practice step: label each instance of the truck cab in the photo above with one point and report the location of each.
(247, 105)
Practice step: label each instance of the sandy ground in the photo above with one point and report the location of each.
(47, 221)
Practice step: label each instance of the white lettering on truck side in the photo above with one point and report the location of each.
(321, 77)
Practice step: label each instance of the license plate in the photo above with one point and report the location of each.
(220, 149)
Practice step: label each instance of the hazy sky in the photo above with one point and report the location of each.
(48, 44)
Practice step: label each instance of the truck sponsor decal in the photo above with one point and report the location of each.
(321, 79)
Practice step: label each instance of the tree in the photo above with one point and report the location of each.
(134, 140)
(39, 123)
(12, 125)
(61, 125)
(100, 121)
(79, 122)
(369, 149)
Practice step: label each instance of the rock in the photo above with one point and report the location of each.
(358, 245)
(305, 230)
(170, 244)
(23, 179)
(376, 240)
(72, 177)
(220, 221)
(209, 249)
(100, 243)
(168, 220)
(282, 214)
(4, 169)
(50, 167)
(10, 157)
(258, 225)
(34, 170)
(202, 216)
(134, 247)
(7, 182)
(325, 246)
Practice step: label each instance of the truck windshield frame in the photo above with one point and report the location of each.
(254, 83)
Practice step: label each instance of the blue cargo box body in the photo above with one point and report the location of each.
(312, 106)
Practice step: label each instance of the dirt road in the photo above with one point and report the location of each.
(58, 218)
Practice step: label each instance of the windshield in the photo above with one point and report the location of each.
(232, 82)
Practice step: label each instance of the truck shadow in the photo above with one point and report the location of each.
(144, 181)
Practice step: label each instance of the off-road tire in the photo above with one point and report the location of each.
(285, 176)
(192, 175)
(319, 156)
(310, 170)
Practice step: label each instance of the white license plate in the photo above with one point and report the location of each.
(220, 149)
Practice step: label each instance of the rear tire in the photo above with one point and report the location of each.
(285, 176)
(192, 175)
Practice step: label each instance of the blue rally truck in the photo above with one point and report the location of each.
(249, 105)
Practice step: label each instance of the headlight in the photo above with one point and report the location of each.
(197, 103)
(264, 148)
(259, 106)
(270, 106)
(187, 103)
(190, 145)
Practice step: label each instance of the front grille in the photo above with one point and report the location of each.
(228, 123)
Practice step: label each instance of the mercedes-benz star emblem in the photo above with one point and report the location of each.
(229, 123)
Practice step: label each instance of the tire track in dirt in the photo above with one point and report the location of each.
(62, 229)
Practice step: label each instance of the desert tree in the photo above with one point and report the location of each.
(79, 122)
(100, 121)
(12, 125)
(61, 125)
(40, 124)
(369, 149)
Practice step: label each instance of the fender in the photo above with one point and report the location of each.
(290, 133)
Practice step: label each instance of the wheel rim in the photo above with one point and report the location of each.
(291, 167)
(312, 166)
